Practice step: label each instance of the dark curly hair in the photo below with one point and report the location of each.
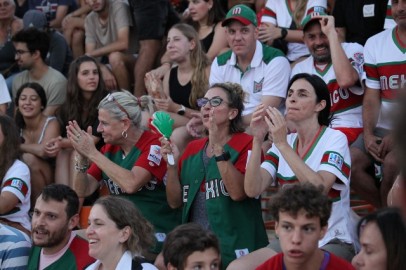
(59, 193)
(184, 240)
(306, 196)
(36, 40)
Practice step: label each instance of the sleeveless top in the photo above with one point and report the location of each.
(41, 137)
(179, 93)
(208, 40)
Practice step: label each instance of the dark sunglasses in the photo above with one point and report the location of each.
(214, 102)
(111, 98)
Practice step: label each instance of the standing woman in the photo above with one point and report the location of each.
(185, 83)
(118, 235)
(15, 179)
(36, 129)
(129, 163)
(208, 179)
(85, 91)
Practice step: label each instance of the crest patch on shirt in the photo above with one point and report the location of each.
(336, 160)
(155, 154)
(258, 86)
(241, 252)
(18, 184)
(160, 237)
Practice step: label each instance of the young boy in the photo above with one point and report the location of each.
(302, 212)
(189, 247)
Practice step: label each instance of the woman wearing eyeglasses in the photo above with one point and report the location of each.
(129, 163)
(210, 182)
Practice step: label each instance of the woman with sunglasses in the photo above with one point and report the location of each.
(129, 163)
(210, 183)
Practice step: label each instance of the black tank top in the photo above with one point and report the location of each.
(208, 40)
(179, 93)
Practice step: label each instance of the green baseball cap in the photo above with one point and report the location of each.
(241, 13)
(311, 17)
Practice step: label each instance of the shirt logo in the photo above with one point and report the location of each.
(237, 10)
(155, 154)
(336, 160)
(258, 86)
(17, 183)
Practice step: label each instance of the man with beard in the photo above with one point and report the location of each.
(108, 30)
(31, 49)
(341, 68)
(55, 246)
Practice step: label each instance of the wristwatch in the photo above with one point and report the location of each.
(284, 33)
(182, 110)
(223, 157)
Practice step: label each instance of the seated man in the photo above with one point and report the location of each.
(15, 248)
(60, 55)
(302, 212)
(31, 48)
(55, 246)
(108, 35)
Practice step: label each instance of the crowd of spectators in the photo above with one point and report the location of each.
(262, 93)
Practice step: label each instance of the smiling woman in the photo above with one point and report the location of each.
(118, 235)
(129, 163)
(36, 129)
(208, 178)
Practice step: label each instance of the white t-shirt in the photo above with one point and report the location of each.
(329, 153)
(4, 93)
(18, 182)
(124, 263)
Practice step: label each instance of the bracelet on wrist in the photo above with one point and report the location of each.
(81, 168)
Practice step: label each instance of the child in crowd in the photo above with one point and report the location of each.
(301, 212)
(189, 246)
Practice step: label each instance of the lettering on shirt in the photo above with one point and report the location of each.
(337, 94)
(392, 82)
(214, 188)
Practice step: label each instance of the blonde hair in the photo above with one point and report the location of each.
(199, 62)
(124, 104)
(299, 12)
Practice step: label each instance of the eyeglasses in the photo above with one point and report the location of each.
(20, 52)
(111, 98)
(214, 102)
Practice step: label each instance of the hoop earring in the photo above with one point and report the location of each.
(124, 134)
